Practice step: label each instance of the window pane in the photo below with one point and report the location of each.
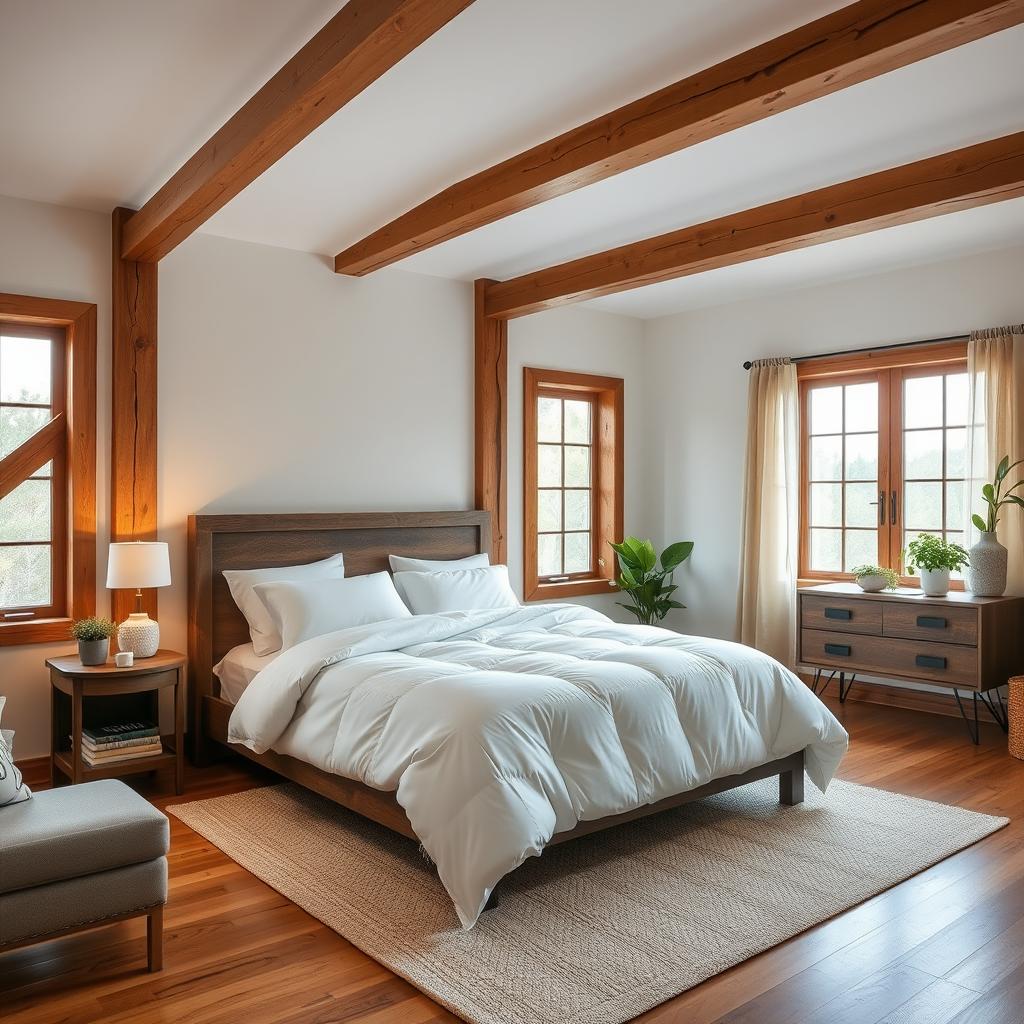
(826, 505)
(24, 370)
(43, 471)
(577, 422)
(827, 410)
(862, 504)
(922, 454)
(956, 538)
(954, 504)
(549, 465)
(577, 552)
(861, 548)
(923, 506)
(862, 457)
(956, 398)
(826, 458)
(577, 511)
(25, 512)
(956, 452)
(549, 511)
(826, 550)
(862, 407)
(922, 402)
(549, 419)
(17, 425)
(24, 576)
(549, 554)
(577, 466)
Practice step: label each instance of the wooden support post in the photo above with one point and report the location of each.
(490, 438)
(133, 407)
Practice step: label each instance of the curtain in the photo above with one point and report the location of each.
(995, 427)
(766, 612)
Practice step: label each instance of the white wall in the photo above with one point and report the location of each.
(696, 427)
(55, 253)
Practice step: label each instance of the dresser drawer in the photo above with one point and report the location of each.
(930, 662)
(849, 615)
(930, 622)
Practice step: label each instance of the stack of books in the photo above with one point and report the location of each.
(126, 741)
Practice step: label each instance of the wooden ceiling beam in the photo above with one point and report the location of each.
(858, 42)
(358, 45)
(975, 176)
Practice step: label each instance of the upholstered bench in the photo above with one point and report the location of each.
(79, 857)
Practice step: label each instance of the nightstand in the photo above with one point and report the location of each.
(73, 685)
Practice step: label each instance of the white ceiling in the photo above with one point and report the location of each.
(105, 116)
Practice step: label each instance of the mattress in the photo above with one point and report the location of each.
(237, 669)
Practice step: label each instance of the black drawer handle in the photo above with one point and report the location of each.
(838, 613)
(843, 650)
(929, 661)
(931, 622)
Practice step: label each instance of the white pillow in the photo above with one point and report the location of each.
(12, 789)
(311, 608)
(266, 637)
(459, 591)
(400, 564)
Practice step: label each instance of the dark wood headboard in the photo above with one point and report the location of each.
(220, 542)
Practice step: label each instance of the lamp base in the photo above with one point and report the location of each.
(139, 634)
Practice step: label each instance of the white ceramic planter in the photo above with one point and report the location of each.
(935, 582)
(872, 584)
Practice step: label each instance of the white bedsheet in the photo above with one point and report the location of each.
(238, 668)
(500, 728)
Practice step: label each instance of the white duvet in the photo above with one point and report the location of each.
(498, 729)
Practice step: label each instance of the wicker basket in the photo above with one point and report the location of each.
(1015, 713)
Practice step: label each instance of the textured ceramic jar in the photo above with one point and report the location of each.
(986, 574)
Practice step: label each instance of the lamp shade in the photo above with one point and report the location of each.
(135, 564)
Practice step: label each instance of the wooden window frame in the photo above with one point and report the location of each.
(890, 368)
(74, 574)
(607, 484)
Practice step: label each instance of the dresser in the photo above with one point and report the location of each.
(968, 644)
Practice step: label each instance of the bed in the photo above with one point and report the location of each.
(554, 634)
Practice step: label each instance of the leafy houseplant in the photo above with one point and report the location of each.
(873, 578)
(936, 559)
(93, 636)
(649, 588)
(986, 576)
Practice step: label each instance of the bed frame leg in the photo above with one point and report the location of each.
(791, 784)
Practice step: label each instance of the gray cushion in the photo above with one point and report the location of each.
(45, 909)
(77, 830)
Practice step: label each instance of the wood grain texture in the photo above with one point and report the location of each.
(359, 44)
(235, 949)
(45, 444)
(856, 43)
(490, 422)
(133, 417)
(81, 460)
(974, 176)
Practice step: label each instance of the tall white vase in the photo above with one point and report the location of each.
(986, 574)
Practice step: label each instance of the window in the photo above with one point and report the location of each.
(573, 425)
(47, 467)
(884, 446)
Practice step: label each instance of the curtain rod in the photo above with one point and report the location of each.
(871, 348)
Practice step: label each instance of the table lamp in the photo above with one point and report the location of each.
(138, 564)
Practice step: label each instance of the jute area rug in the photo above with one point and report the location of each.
(603, 928)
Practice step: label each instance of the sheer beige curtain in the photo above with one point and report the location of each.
(995, 369)
(766, 610)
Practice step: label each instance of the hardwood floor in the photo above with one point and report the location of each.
(944, 947)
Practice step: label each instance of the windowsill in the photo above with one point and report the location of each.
(35, 631)
(910, 582)
(571, 588)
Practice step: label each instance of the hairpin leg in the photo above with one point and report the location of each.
(974, 733)
(996, 708)
(844, 693)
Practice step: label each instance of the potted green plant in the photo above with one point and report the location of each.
(936, 559)
(986, 576)
(93, 636)
(649, 587)
(873, 578)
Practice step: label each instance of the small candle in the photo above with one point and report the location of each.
(124, 659)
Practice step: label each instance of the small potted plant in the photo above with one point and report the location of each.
(93, 636)
(936, 559)
(873, 578)
(648, 587)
